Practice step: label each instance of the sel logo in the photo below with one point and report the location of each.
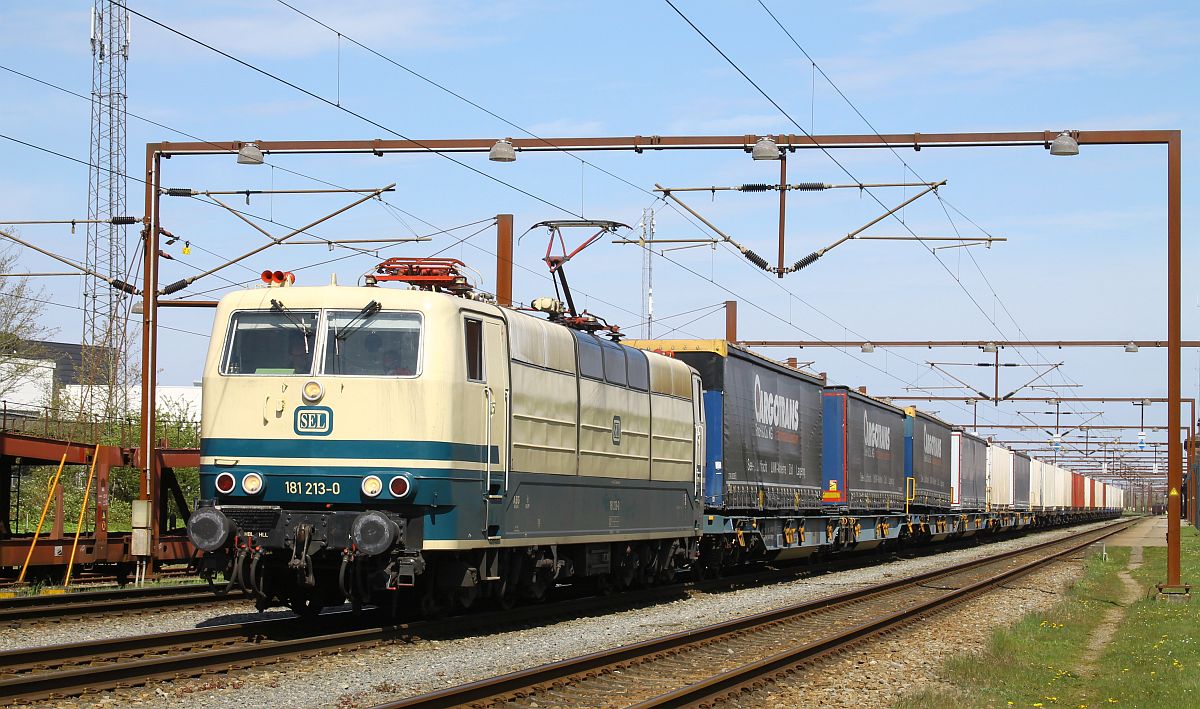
(314, 420)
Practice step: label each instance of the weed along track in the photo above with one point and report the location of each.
(726, 659)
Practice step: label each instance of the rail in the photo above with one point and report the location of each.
(602, 670)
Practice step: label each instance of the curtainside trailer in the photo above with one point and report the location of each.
(1021, 481)
(863, 453)
(763, 419)
(926, 461)
(968, 471)
(1000, 478)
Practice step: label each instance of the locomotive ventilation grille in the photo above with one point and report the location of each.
(253, 519)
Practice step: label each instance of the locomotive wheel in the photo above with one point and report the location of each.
(305, 605)
(507, 598)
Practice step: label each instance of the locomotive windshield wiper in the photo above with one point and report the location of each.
(361, 319)
(278, 307)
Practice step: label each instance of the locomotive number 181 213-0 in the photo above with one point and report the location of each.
(310, 487)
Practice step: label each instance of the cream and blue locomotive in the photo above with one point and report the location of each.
(424, 447)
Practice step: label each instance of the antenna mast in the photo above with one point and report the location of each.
(645, 242)
(105, 337)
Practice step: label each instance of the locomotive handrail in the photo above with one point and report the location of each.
(507, 436)
(489, 410)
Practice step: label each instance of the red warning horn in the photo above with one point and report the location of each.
(266, 276)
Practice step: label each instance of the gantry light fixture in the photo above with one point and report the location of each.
(765, 149)
(867, 347)
(990, 348)
(1131, 347)
(1064, 144)
(249, 154)
(502, 151)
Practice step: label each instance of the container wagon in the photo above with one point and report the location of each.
(1000, 478)
(1037, 484)
(863, 453)
(763, 442)
(968, 471)
(927, 461)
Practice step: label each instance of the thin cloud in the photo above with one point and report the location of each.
(1018, 54)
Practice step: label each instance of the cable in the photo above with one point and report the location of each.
(789, 117)
(342, 108)
(476, 105)
(897, 155)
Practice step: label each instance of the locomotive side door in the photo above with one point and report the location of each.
(487, 366)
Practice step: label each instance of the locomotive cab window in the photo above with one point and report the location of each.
(275, 342)
(473, 337)
(379, 344)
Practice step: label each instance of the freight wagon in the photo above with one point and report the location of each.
(863, 463)
(968, 471)
(927, 454)
(763, 425)
(1000, 478)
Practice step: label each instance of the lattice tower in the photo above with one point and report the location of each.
(105, 334)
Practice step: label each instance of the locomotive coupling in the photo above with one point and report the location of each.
(209, 528)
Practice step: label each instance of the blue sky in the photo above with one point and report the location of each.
(1086, 251)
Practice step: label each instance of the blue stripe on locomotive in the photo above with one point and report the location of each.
(833, 449)
(714, 473)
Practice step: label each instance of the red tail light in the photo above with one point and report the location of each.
(225, 483)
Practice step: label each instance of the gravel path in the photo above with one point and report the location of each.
(367, 677)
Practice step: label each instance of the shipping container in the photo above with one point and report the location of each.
(968, 470)
(1020, 481)
(1000, 477)
(1065, 489)
(927, 460)
(763, 446)
(1077, 494)
(1090, 494)
(863, 461)
(1037, 482)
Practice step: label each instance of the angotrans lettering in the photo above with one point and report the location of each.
(876, 435)
(775, 409)
(933, 446)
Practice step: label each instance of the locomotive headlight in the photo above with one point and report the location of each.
(372, 486)
(313, 391)
(252, 483)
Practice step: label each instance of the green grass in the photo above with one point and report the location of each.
(1152, 661)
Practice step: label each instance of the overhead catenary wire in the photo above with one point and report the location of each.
(823, 149)
(942, 200)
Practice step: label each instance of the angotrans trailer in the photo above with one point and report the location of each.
(926, 460)
(863, 453)
(763, 420)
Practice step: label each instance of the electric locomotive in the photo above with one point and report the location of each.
(423, 448)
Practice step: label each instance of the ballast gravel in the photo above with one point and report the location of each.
(368, 677)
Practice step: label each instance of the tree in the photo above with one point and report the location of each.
(21, 326)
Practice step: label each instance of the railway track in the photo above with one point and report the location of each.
(22, 609)
(57, 671)
(707, 665)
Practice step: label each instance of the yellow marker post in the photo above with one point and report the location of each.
(82, 509)
(42, 519)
